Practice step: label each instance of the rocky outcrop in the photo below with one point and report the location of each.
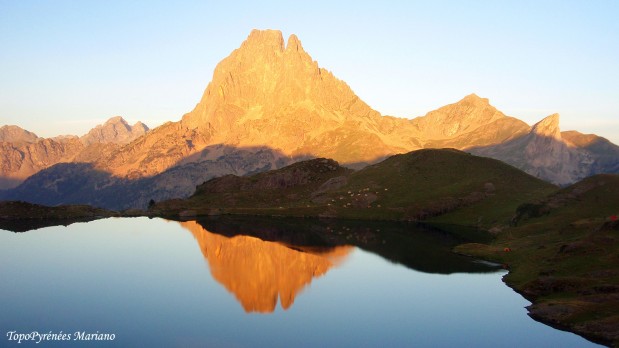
(115, 130)
(19, 161)
(17, 135)
(543, 153)
(23, 154)
(470, 121)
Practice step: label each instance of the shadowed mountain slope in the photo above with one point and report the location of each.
(546, 154)
(23, 154)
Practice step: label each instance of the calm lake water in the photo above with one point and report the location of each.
(257, 282)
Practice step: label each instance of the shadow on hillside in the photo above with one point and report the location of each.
(417, 247)
(7, 183)
(83, 183)
(553, 160)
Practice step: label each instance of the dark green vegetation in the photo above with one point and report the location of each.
(415, 246)
(22, 216)
(446, 186)
(564, 257)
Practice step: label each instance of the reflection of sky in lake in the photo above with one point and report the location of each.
(147, 282)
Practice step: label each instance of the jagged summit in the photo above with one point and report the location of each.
(265, 88)
(12, 133)
(115, 120)
(475, 99)
(271, 40)
(114, 130)
(294, 44)
(548, 127)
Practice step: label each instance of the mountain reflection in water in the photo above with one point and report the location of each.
(259, 272)
(261, 260)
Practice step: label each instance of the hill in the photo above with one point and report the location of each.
(446, 186)
(564, 257)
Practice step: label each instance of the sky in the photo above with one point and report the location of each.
(66, 66)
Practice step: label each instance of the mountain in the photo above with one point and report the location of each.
(269, 95)
(76, 183)
(558, 157)
(20, 160)
(115, 130)
(15, 134)
(439, 185)
(23, 154)
(471, 121)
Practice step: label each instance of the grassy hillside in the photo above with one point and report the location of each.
(564, 256)
(286, 191)
(446, 186)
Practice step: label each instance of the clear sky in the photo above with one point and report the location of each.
(66, 66)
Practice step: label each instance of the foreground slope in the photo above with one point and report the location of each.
(564, 257)
(441, 185)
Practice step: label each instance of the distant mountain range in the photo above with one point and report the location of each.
(269, 105)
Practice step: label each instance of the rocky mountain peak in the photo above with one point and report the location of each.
(475, 100)
(264, 40)
(114, 130)
(117, 120)
(265, 87)
(294, 43)
(16, 134)
(548, 127)
(464, 116)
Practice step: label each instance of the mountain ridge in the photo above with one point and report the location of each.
(270, 94)
(23, 153)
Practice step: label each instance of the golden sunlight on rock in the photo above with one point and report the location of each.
(259, 272)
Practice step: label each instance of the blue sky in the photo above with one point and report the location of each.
(68, 65)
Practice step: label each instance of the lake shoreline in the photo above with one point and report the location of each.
(492, 250)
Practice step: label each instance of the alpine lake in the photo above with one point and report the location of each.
(258, 282)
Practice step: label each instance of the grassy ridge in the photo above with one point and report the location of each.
(564, 257)
(446, 186)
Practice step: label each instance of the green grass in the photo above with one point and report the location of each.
(568, 256)
(443, 186)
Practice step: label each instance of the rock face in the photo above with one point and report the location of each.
(560, 158)
(18, 160)
(14, 134)
(259, 273)
(23, 154)
(115, 130)
(267, 87)
(470, 121)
